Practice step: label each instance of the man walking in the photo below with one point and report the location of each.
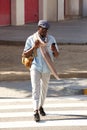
(39, 71)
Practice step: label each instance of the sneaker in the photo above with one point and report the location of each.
(42, 111)
(36, 117)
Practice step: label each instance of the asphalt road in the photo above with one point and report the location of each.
(61, 113)
(62, 87)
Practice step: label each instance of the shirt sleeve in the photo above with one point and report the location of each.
(27, 44)
(54, 41)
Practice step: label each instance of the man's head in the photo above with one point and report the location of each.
(43, 27)
(43, 24)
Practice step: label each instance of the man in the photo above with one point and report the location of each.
(39, 71)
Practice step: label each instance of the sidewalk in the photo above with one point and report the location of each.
(71, 37)
(71, 31)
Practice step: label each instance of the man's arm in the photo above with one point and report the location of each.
(31, 50)
(54, 50)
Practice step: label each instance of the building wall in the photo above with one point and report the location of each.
(31, 10)
(84, 8)
(41, 12)
(60, 10)
(71, 7)
(5, 11)
(17, 12)
(48, 10)
(51, 10)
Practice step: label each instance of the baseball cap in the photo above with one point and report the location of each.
(43, 24)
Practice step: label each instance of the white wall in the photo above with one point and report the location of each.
(41, 9)
(60, 10)
(72, 7)
(48, 10)
(52, 10)
(17, 12)
(84, 11)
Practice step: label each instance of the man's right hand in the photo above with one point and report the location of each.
(37, 44)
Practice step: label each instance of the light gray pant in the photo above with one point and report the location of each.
(39, 83)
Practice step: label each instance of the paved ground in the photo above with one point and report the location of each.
(70, 35)
(69, 31)
(72, 62)
(23, 89)
(63, 113)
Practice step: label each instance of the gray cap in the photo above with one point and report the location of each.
(43, 24)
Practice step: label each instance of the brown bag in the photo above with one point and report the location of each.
(27, 61)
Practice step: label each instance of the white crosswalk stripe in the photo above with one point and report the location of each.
(28, 114)
(22, 124)
(47, 106)
(17, 113)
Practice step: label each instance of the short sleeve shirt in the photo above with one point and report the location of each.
(39, 62)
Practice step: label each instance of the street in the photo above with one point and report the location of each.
(57, 88)
(62, 113)
(65, 106)
(66, 102)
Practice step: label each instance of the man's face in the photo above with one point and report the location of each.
(42, 31)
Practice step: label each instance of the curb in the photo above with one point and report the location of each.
(22, 43)
(12, 76)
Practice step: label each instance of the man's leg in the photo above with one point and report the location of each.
(35, 81)
(44, 87)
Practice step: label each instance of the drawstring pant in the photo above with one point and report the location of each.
(39, 83)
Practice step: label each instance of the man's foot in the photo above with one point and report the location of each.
(36, 116)
(42, 112)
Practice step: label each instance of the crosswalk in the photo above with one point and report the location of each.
(62, 111)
